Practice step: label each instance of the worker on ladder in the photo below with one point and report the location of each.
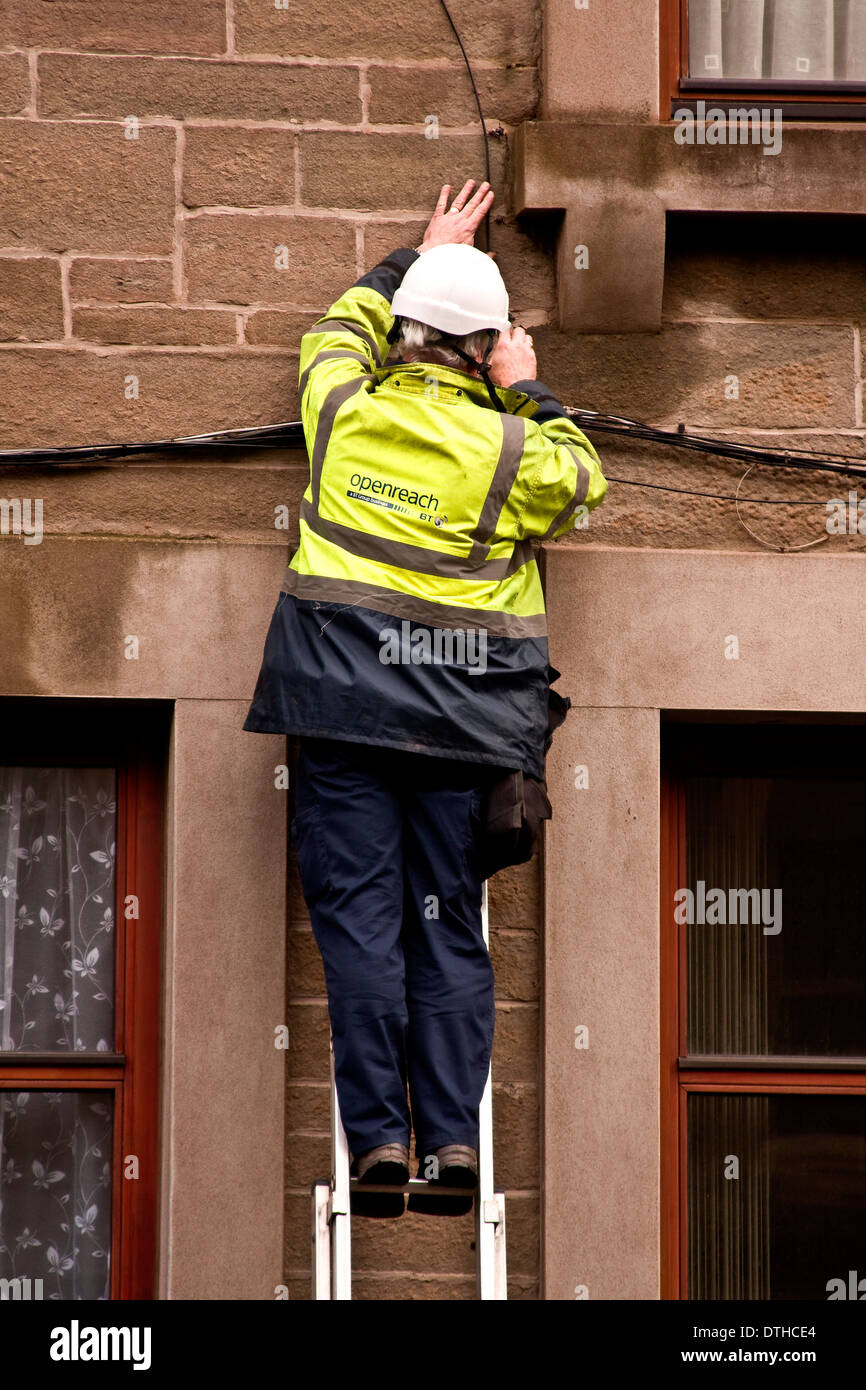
(407, 658)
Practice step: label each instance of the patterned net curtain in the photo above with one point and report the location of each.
(786, 40)
(55, 1221)
(57, 952)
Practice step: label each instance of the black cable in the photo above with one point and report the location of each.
(750, 453)
(290, 434)
(287, 434)
(486, 223)
(688, 439)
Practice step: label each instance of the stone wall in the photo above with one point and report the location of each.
(184, 191)
(760, 342)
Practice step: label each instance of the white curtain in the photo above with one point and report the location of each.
(786, 40)
(57, 931)
(57, 834)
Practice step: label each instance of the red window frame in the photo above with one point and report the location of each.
(130, 736)
(677, 1080)
(837, 101)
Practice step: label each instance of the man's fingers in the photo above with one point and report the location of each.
(480, 193)
(443, 199)
(462, 196)
(483, 207)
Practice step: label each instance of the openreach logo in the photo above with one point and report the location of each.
(438, 646)
(738, 125)
(738, 907)
(22, 516)
(76, 1343)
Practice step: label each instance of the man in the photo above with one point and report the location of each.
(407, 656)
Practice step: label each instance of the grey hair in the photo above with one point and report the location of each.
(415, 336)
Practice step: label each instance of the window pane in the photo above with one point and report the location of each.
(775, 1196)
(776, 948)
(57, 893)
(784, 40)
(55, 1183)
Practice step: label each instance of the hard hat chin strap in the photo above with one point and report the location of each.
(482, 367)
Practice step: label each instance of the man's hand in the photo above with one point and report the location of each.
(457, 227)
(513, 358)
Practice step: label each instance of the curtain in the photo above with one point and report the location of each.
(57, 933)
(727, 1013)
(55, 1185)
(726, 847)
(728, 1207)
(57, 836)
(786, 40)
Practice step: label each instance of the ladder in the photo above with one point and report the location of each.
(332, 1221)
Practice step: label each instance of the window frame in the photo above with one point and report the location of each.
(678, 1079)
(824, 100)
(132, 737)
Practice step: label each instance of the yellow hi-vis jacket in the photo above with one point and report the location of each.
(412, 614)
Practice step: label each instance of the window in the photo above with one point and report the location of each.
(80, 909)
(764, 1010)
(807, 57)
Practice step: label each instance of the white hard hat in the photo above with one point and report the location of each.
(456, 289)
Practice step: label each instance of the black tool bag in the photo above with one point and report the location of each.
(516, 804)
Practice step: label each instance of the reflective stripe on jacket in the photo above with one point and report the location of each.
(411, 614)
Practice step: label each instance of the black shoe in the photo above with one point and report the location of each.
(456, 1166)
(387, 1165)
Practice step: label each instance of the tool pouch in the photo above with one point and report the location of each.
(516, 804)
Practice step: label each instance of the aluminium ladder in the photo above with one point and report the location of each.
(332, 1229)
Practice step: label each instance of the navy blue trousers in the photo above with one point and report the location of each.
(387, 852)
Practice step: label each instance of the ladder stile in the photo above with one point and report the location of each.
(341, 1220)
(321, 1240)
(489, 1205)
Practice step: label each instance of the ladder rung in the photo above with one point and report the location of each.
(413, 1185)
